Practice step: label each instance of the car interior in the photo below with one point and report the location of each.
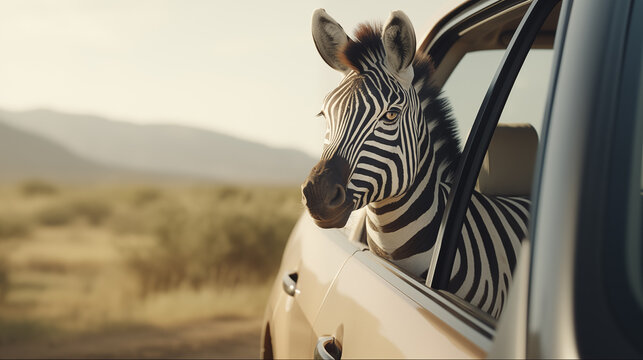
(508, 166)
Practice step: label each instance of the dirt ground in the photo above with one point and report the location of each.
(226, 338)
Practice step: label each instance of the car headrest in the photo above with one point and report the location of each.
(508, 166)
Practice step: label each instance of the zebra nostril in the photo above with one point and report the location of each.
(306, 192)
(338, 198)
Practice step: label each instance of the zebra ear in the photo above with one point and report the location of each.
(398, 38)
(329, 39)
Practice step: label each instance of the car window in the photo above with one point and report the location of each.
(497, 216)
(497, 219)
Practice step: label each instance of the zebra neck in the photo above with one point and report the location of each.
(404, 229)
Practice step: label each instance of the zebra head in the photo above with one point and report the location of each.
(374, 119)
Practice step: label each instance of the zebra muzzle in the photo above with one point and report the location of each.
(324, 193)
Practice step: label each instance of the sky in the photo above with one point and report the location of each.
(244, 68)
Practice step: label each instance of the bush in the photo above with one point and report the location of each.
(12, 226)
(93, 211)
(55, 215)
(238, 237)
(145, 195)
(37, 187)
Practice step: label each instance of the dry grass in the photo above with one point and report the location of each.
(85, 258)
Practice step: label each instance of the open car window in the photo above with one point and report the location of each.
(484, 227)
(497, 220)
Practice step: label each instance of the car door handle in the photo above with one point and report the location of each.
(327, 349)
(289, 283)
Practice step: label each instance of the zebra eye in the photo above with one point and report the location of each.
(391, 115)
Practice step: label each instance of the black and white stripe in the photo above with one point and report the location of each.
(402, 171)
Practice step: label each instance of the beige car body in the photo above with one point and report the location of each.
(348, 293)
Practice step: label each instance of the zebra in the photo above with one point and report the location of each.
(391, 146)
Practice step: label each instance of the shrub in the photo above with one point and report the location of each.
(55, 215)
(38, 187)
(145, 195)
(13, 226)
(94, 211)
(236, 237)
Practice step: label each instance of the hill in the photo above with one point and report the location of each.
(172, 149)
(25, 155)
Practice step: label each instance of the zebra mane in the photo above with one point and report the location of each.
(436, 109)
(438, 115)
(368, 44)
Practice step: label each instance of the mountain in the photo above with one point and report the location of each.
(25, 155)
(171, 149)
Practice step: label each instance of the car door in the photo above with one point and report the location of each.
(311, 260)
(374, 309)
